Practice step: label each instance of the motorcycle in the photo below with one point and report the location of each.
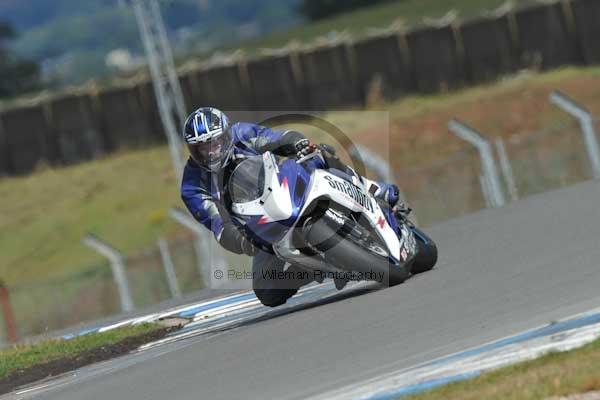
(325, 222)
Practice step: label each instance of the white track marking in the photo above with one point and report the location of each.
(492, 359)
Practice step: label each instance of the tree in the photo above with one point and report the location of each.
(6, 31)
(319, 9)
(16, 75)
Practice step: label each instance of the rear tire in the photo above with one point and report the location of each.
(427, 255)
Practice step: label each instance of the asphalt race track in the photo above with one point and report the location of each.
(500, 272)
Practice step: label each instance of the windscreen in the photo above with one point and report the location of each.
(247, 180)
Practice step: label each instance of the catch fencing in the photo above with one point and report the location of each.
(535, 162)
(93, 294)
(80, 126)
(454, 186)
(447, 188)
(539, 167)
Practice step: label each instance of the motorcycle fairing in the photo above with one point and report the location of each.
(282, 202)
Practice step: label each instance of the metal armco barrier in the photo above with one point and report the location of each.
(488, 164)
(118, 268)
(588, 130)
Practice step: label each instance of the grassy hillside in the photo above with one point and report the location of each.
(408, 12)
(124, 197)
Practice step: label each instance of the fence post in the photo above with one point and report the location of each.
(9, 316)
(373, 161)
(507, 170)
(208, 253)
(488, 163)
(167, 263)
(118, 268)
(586, 123)
(485, 189)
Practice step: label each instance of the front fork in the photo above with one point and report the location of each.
(404, 228)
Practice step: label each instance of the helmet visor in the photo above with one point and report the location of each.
(213, 152)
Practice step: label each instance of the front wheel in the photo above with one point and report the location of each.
(427, 254)
(350, 254)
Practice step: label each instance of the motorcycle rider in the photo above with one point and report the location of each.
(215, 147)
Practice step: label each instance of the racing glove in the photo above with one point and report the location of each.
(304, 148)
(233, 240)
(288, 145)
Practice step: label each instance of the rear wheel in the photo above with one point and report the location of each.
(427, 255)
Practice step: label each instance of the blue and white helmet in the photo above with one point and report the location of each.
(208, 138)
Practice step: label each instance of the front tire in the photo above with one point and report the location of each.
(345, 253)
(427, 254)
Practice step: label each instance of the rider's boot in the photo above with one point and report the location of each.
(391, 195)
(401, 211)
(388, 192)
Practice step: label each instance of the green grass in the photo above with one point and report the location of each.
(123, 199)
(357, 23)
(25, 356)
(555, 374)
